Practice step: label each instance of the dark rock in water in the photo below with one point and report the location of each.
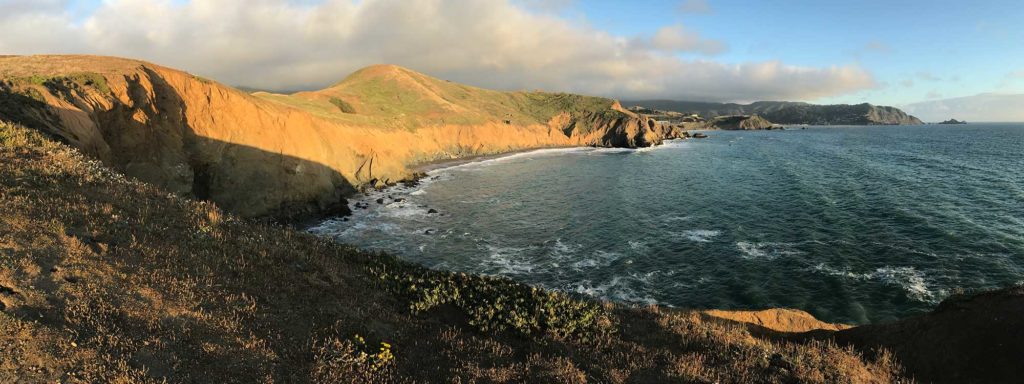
(380, 201)
(431, 210)
(699, 135)
(400, 200)
(428, 232)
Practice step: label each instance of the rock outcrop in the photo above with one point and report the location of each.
(291, 155)
(739, 122)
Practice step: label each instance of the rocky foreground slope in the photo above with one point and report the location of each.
(291, 154)
(784, 112)
(107, 279)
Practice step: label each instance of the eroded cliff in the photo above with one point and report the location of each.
(290, 155)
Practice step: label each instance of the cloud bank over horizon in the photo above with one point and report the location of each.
(292, 45)
(986, 107)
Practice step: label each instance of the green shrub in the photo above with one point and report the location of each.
(351, 361)
(494, 304)
(342, 105)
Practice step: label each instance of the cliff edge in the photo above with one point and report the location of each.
(291, 154)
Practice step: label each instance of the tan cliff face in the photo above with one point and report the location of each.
(283, 155)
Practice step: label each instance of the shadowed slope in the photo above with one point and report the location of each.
(968, 338)
(105, 279)
(369, 129)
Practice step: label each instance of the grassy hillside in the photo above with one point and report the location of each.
(106, 279)
(394, 96)
(296, 155)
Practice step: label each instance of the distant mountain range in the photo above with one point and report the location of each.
(786, 112)
(985, 107)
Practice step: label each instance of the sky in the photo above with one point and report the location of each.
(882, 52)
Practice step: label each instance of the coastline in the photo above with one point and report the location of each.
(423, 168)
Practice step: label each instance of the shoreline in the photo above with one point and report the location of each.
(433, 165)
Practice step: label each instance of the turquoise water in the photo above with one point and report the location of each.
(853, 224)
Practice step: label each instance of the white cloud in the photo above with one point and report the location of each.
(676, 38)
(1014, 76)
(279, 44)
(694, 6)
(982, 107)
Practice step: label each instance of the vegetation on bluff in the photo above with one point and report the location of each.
(107, 279)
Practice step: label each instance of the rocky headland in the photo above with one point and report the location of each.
(784, 112)
(740, 122)
(292, 154)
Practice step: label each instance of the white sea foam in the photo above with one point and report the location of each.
(765, 250)
(599, 258)
(700, 235)
(504, 158)
(911, 280)
(638, 246)
(673, 143)
(507, 260)
(561, 250)
(619, 288)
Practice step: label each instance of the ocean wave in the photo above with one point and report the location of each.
(672, 143)
(618, 288)
(508, 157)
(638, 246)
(765, 250)
(561, 251)
(671, 219)
(507, 260)
(700, 235)
(599, 258)
(912, 281)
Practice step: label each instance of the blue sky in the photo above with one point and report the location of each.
(917, 50)
(883, 52)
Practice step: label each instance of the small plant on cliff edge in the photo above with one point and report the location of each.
(351, 361)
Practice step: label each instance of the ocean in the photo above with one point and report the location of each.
(852, 224)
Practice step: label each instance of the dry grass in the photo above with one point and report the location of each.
(105, 279)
